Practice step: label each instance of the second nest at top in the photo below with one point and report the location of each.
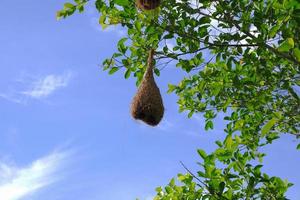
(148, 4)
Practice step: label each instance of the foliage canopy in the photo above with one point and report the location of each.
(243, 58)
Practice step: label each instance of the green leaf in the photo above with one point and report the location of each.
(168, 189)
(298, 146)
(171, 88)
(219, 143)
(121, 2)
(69, 5)
(158, 189)
(80, 8)
(291, 42)
(209, 125)
(223, 154)
(113, 70)
(278, 115)
(190, 114)
(138, 25)
(201, 174)
(59, 15)
(221, 187)
(204, 20)
(172, 182)
(121, 46)
(202, 153)
(157, 72)
(102, 21)
(228, 141)
(127, 73)
(274, 30)
(267, 127)
(296, 52)
(286, 45)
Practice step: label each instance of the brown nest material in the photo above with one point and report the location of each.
(147, 4)
(147, 104)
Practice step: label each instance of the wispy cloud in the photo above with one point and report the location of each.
(45, 86)
(35, 87)
(12, 98)
(16, 183)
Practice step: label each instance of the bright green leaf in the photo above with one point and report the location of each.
(296, 52)
(228, 142)
(171, 88)
(113, 70)
(102, 21)
(69, 5)
(121, 2)
(267, 127)
(274, 30)
(286, 45)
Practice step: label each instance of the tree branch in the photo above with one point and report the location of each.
(270, 48)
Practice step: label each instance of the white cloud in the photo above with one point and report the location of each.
(45, 86)
(28, 86)
(16, 183)
(12, 98)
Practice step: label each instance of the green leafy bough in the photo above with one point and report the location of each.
(243, 59)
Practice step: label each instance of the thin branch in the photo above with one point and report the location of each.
(193, 175)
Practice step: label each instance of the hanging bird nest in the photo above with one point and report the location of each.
(147, 4)
(147, 104)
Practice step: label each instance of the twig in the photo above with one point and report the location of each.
(193, 175)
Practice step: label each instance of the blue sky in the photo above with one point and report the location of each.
(65, 127)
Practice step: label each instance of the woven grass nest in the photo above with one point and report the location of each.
(147, 104)
(147, 4)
